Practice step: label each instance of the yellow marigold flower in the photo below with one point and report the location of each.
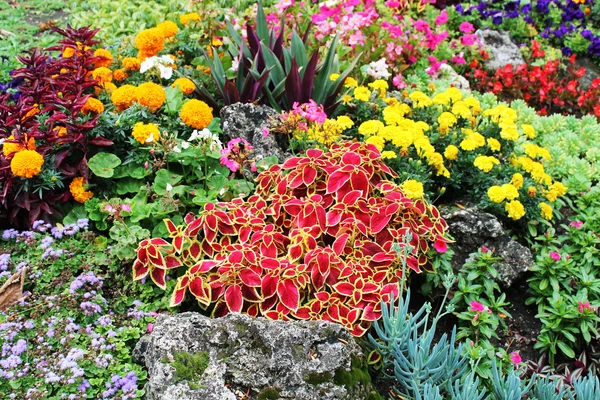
(379, 85)
(60, 131)
(412, 189)
(92, 105)
(517, 180)
(441, 98)
(185, 18)
(510, 191)
(131, 64)
(485, 163)
(455, 94)
(394, 113)
(77, 189)
(468, 144)
(185, 85)
(333, 77)
(350, 82)
(528, 130)
(377, 141)
(443, 171)
(533, 151)
(388, 154)
(515, 209)
(347, 99)
(120, 75)
(509, 134)
(435, 159)
(150, 41)
(451, 152)
(145, 133)
(102, 75)
(216, 42)
(362, 93)
(109, 87)
(420, 99)
(446, 120)
(555, 191)
(27, 163)
(150, 95)
(371, 127)
(496, 194)
(344, 122)
(196, 113)
(9, 148)
(398, 136)
(461, 109)
(424, 147)
(546, 211)
(33, 112)
(168, 29)
(474, 104)
(531, 191)
(68, 52)
(106, 58)
(123, 97)
(494, 144)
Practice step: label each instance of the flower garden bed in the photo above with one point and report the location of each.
(124, 195)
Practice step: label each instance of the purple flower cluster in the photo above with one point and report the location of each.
(12, 86)
(127, 385)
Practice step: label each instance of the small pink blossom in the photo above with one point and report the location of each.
(484, 249)
(515, 358)
(421, 26)
(466, 27)
(398, 82)
(555, 256)
(442, 18)
(585, 306)
(468, 40)
(265, 131)
(576, 224)
(150, 327)
(392, 4)
(477, 306)
(440, 246)
(126, 207)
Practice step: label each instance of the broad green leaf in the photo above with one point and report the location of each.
(103, 164)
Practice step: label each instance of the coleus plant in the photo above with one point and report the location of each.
(49, 112)
(314, 242)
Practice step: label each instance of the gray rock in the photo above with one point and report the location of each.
(313, 360)
(472, 229)
(454, 78)
(501, 49)
(246, 120)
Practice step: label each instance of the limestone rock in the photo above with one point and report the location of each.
(246, 120)
(472, 229)
(454, 78)
(308, 360)
(501, 49)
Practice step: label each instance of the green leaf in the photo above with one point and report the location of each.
(129, 185)
(299, 51)
(103, 164)
(164, 178)
(262, 29)
(77, 212)
(174, 99)
(567, 350)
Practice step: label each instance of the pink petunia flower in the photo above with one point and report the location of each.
(477, 306)
(576, 224)
(466, 27)
(442, 18)
(555, 256)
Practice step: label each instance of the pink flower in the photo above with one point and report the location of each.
(421, 26)
(484, 249)
(126, 207)
(555, 256)
(398, 81)
(477, 306)
(440, 246)
(576, 224)
(466, 27)
(584, 306)
(515, 358)
(392, 4)
(458, 60)
(468, 40)
(265, 131)
(442, 18)
(150, 327)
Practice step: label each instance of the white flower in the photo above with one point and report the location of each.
(169, 187)
(176, 149)
(165, 72)
(378, 69)
(162, 63)
(185, 145)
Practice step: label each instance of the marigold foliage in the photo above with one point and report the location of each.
(314, 242)
(77, 189)
(27, 163)
(196, 113)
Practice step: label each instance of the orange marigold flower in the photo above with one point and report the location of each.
(196, 113)
(119, 75)
(93, 105)
(102, 75)
(185, 85)
(145, 133)
(77, 189)
(150, 95)
(60, 131)
(108, 86)
(27, 163)
(123, 97)
(106, 58)
(131, 64)
(68, 52)
(150, 41)
(168, 29)
(33, 112)
(185, 18)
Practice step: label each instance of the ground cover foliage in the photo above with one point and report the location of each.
(121, 198)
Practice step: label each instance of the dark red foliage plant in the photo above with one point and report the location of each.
(48, 117)
(314, 242)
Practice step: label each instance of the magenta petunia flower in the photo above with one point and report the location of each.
(555, 256)
(477, 306)
(515, 358)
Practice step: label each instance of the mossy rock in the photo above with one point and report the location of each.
(358, 377)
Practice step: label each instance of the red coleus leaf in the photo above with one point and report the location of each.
(250, 278)
(158, 276)
(288, 294)
(344, 288)
(337, 180)
(269, 285)
(201, 291)
(171, 227)
(309, 174)
(203, 267)
(177, 297)
(140, 270)
(234, 298)
(340, 243)
(172, 262)
(351, 158)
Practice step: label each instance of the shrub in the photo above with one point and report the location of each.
(314, 242)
